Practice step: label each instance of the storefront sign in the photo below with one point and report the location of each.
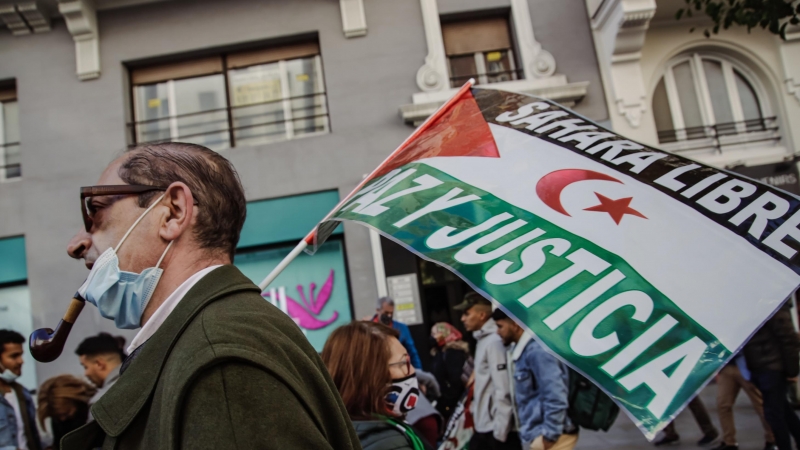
(312, 290)
(403, 289)
(781, 175)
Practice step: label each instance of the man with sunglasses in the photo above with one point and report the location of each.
(213, 365)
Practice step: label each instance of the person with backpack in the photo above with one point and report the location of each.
(541, 390)
(772, 358)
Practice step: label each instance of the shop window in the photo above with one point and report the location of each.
(10, 162)
(246, 98)
(479, 49)
(15, 300)
(705, 96)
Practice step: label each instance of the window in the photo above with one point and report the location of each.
(246, 98)
(706, 96)
(479, 49)
(10, 167)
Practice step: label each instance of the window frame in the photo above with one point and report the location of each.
(3, 144)
(728, 65)
(479, 57)
(228, 108)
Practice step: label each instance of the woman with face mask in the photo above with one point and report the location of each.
(378, 384)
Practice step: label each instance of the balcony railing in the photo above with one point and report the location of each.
(722, 134)
(10, 164)
(250, 124)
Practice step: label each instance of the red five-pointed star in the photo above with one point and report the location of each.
(615, 208)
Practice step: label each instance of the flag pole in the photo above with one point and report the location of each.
(302, 245)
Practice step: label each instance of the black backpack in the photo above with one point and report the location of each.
(589, 406)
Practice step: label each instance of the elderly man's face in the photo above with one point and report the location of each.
(115, 214)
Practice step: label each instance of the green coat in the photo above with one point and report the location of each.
(226, 370)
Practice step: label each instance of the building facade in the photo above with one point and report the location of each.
(305, 97)
(731, 100)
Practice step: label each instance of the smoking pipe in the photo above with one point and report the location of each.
(46, 344)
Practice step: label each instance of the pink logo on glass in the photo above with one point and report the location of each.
(306, 311)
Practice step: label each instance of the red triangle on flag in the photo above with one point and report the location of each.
(461, 130)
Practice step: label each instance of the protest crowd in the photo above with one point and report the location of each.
(216, 366)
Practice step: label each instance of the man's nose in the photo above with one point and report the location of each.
(79, 244)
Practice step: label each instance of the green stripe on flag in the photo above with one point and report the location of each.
(620, 319)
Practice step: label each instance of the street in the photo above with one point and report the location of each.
(624, 435)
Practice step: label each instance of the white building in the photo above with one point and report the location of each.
(731, 100)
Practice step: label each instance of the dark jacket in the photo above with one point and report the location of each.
(448, 368)
(380, 435)
(775, 346)
(226, 370)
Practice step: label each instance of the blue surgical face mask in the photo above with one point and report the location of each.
(8, 376)
(118, 295)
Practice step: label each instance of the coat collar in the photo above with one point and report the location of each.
(118, 407)
(519, 347)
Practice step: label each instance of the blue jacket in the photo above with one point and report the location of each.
(541, 388)
(408, 343)
(9, 425)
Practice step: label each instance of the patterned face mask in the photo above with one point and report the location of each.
(403, 395)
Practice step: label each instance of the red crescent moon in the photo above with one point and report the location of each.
(550, 186)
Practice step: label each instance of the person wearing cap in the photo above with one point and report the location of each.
(541, 390)
(491, 408)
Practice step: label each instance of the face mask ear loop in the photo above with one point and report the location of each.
(137, 222)
(158, 264)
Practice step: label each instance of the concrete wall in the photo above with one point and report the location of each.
(70, 130)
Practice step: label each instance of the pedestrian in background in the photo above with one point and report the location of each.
(373, 373)
(491, 405)
(452, 366)
(731, 379)
(700, 414)
(541, 390)
(65, 401)
(385, 315)
(772, 358)
(101, 357)
(17, 411)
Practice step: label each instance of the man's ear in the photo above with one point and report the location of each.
(180, 203)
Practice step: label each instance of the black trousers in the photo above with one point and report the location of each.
(486, 441)
(779, 413)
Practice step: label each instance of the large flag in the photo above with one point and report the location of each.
(643, 270)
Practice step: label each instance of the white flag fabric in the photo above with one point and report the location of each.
(641, 269)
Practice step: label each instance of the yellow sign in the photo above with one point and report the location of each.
(252, 90)
(301, 77)
(154, 103)
(494, 56)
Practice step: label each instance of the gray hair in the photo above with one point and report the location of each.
(384, 300)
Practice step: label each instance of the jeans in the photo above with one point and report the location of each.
(777, 410)
(486, 441)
